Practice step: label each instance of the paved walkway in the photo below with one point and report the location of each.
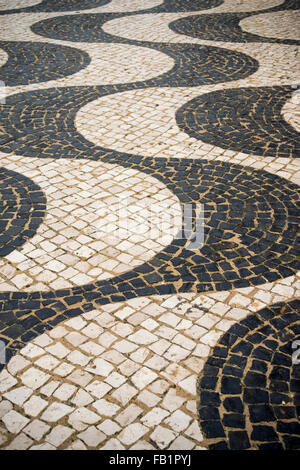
(150, 205)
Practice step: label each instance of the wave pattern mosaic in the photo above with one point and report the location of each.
(119, 328)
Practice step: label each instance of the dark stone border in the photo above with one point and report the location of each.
(35, 62)
(22, 209)
(249, 388)
(248, 120)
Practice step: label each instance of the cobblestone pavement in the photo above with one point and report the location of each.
(116, 332)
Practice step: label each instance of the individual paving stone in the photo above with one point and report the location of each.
(34, 378)
(5, 407)
(44, 446)
(56, 411)
(58, 435)
(82, 398)
(162, 437)
(82, 417)
(128, 415)
(143, 337)
(76, 445)
(143, 377)
(16, 364)
(34, 406)
(92, 348)
(76, 357)
(109, 427)
(31, 351)
(178, 421)
(36, 429)
(98, 389)
(154, 417)
(172, 401)
(58, 350)
(21, 442)
(194, 432)
(176, 353)
(132, 433)
(47, 362)
(75, 338)
(92, 437)
(64, 392)
(80, 377)
(18, 395)
(182, 443)
(100, 367)
(49, 388)
(124, 393)
(113, 444)
(115, 379)
(253, 384)
(14, 421)
(142, 445)
(148, 398)
(105, 408)
(64, 369)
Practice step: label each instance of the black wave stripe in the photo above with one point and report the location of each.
(167, 6)
(248, 120)
(35, 62)
(36, 136)
(46, 122)
(58, 5)
(251, 224)
(251, 216)
(170, 6)
(223, 27)
(249, 389)
(22, 209)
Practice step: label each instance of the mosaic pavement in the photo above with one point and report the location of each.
(119, 332)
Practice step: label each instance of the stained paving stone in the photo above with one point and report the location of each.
(104, 336)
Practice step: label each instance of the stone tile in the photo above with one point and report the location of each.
(154, 417)
(109, 427)
(143, 377)
(129, 415)
(18, 395)
(16, 364)
(113, 444)
(21, 442)
(55, 412)
(105, 408)
(181, 443)
(5, 407)
(34, 406)
(36, 429)
(178, 421)
(132, 433)
(82, 417)
(162, 437)
(124, 394)
(14, 421)
(64, 392)
(92, 437)
(47, 362)
(34, 378)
